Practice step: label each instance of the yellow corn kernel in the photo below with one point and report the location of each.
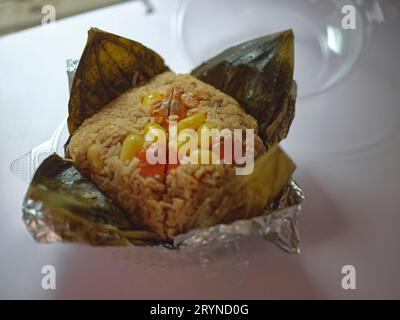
(191, 122)
(205, 126)
(131, 147)
(155, 132)
(151, 126)
(151, 98)
(203, 156)
(93, 155)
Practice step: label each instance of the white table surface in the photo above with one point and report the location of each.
(345, 142)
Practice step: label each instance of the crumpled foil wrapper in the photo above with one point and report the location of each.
(278, 225)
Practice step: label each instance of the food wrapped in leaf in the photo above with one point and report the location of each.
(113, 132)
(259, 75)
(65, 205)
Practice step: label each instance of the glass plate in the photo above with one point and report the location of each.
(325, 52)
(25, 166)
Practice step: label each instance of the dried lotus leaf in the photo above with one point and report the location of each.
(63, 205)
(109, 65)
(259, 75)
(246, 196)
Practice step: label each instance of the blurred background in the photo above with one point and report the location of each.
(21, 14)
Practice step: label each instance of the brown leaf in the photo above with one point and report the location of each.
(63, 205)
(109, 65)
(246, 196)
(259, 75)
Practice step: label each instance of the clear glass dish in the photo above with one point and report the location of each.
(218, 254)
(325, 51)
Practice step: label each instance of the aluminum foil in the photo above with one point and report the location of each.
(72, 64)
(278, 225)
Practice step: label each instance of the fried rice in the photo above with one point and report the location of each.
(160, 203)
